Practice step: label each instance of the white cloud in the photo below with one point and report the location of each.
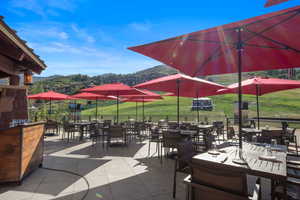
(146, 26)
(81, 33)
(44, 7)
(38, 31)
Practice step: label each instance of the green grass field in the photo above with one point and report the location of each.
(279, 104)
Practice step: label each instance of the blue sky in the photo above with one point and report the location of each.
(91, 36)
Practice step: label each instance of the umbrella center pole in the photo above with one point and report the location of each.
(178, 90)
(257, 106)
(118, 109)
(240, 160)
(143, 111)
(136, 111)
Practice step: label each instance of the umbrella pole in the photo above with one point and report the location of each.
(198, 117)
(257, 107)
(143, 110)
(50, 109)
(240, 49)
(96, 108)
(117, 109)
(136, 111)
(178, 88)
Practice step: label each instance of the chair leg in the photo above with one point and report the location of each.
(174, 181)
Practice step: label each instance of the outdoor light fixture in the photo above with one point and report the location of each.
(27, 77)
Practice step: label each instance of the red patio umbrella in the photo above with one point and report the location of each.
(261, 43)
(114, 89)
(92, 96)
(182, 85)
(259, 86)
(274, 2)
(137, 100)
(50, 95)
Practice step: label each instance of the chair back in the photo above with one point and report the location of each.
(172, 125)
(171, 138)
(290, 131)
(116, 131)
(220, 178)
(185, 153)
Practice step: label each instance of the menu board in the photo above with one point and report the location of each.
(13, 107)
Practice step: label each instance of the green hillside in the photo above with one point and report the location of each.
(280, 104)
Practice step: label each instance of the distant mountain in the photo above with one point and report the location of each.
(73, 83)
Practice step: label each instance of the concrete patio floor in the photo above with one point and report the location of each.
(119, 173)
(116, 173)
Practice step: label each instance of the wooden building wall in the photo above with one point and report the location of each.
(13, 106)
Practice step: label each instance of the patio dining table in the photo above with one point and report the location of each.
(274, 169)
(250, 132)
(82, 126)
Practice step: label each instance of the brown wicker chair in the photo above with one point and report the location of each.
(118, 133)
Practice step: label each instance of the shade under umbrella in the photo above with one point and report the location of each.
(93, 96)
(114, 89)
(261, 43)
(259, 86)
(182, 85)
(50, 95)
(274, 2)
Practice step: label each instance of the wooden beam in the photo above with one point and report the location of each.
(10, 51)
(8, 66)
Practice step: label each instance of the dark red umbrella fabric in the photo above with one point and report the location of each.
(259, 86)
(264, 85)
(114, 89)
(274, 2)
(93, 96)
(50, 95)
(147, 95)
(189, 87)
(268, 42)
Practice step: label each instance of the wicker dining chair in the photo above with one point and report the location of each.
(116, 132)
(185, 153)
(156, 137)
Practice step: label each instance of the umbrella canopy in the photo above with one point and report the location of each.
(184, 86)
(189, 86)
(269, 42)
(274, 2)
(93, 96)
(261, 43)
(114, 89)
(50, 95)
(259, 86)
(147, 95)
